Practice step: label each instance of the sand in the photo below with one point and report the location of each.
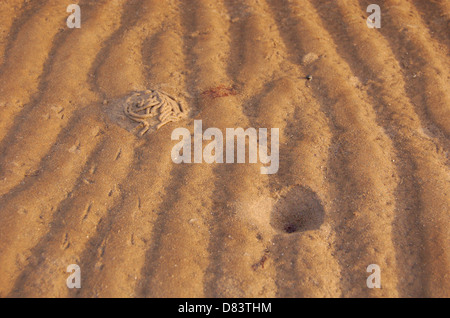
(364, 149)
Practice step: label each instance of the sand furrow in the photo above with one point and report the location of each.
(272, 104)
(360, 157)
(254, 55)
(38, 128)
(436, 15)
(119, 61)
(125, 235)
(426, 65)
(231, 256)
(397, 115)
(32, 208)
(304, 153)
(9, 12)
(174, 266)
(166, 261)
(13, 15)
(76, 219)
(27, 57)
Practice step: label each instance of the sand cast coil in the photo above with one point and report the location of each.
(142, 107)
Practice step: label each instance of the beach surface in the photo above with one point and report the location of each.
(364, 124)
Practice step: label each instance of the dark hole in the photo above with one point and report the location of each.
(290, 228)
(298, 211)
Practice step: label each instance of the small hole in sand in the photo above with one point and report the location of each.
(298, 211)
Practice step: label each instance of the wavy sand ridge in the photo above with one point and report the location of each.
(364, 151)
